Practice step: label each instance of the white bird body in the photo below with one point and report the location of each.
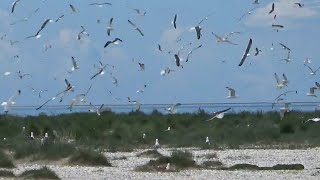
(314, 120)
(168, 167)
(169, 128)
(11, 101)
(156, 145)
(207, 141)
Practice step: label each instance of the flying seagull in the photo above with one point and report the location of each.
(247, 13)
(82, 32)
(23, 75)
(190, 52)
(272, 8)
(313, 119)
(74, 64)
(109, 27)
(299, 4)
(256, 2)
(219, 114)
(173, 109)
(257, 52)
(285, 47)
(100, 4)
(141, 66)
(14, 5)
(223, 39)
(174, 21)
(232, 93)
(73, 8)
(60, 17)
(159, 47)
(115, 41)
(177, 58)
(44, 24)
(11, 101)
(139, 12)
(246, 53)
(101, 71)
(136, 28)
(313, 72)
(317, 84)
(281, 84)
(288, 59)
(312, 92)
(198, 31)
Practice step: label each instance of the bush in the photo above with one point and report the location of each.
(89, 158)
(5, 173)
(150, 153)
(5, 162)
(211, 164)
(43, 173)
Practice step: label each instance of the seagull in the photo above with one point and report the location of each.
(173, 109)
(288, 59)
(82, 32)
(68, 89)
(44, 24)
(7, 73)
(313, 72)
(115, 81)
(317, 84)
(284, 94)
(139, 12)
(190, 52)
(279, 84)
(156, 144)
(208, 141)
(80, 98)
(60, 17)
(159, 47)
(98, 110)
(285, 80)
(100, 4)
(168, 129)
(307, 61)
(14, 5)
(284, 109)
(141, 90)
(11, 101)
(109, 27)
(177, 58)
(285, 47)
(168, 167)
(256, 2)
(174, 21)
(277, 25)
(223, 39)
(246, 53)
(73, 8)
(299, 4)
(115, 41)
(219, 114)
(313, 119)
(232, 93)
(276, 101)
(144, 136)
(23, 75)
(74, 64)
(101, 71)
(247, 13)
(272, 8)
(137, 103)
(205, 18)
(31, 135)
(311, 92)
(166, 71)
(141, 66)
(198, 31)
(257, 52)
(136, 28)
(41, 91)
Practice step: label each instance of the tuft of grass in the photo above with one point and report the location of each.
(255, 167)
(211, 156)
(212, 164)
(150, 153)
(179, 160)
(5, 173)
(43, 173)
(5, 162)
(88, 158)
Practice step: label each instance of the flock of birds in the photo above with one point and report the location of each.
(179, 57)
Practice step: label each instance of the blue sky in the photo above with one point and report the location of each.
(203, 78)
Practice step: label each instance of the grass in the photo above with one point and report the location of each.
(180, 160)
(211, 164)
(88, 158)
(5, 173)
(150, 153)
(43, 173)
(123, 132)
(255, 167)
(5, 161)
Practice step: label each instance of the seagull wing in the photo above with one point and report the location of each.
(132, 23)
(310, 68)
(174, 21)
(317, 84)
(73, 8)
(177, 59)
(74, 63)
(272, 8)
(246, 52)
(97, 74)
(107, 44)
(140, 31)
(285, 47)
(277, 78)
(45, 103)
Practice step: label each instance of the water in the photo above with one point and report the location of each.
(184, 108)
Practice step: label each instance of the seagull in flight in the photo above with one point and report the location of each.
(190, 52)
(109, 27)
(313, 72)
(288, 59)
(285, 47)
(100, 4)
(82, 32)
(257, 52)
(246, 53)
(60, 17)
(284, 82)
(139, 12)
(173, 109)
(115, 41)
(198, 31)
(141, 66)
(14, 5)
(232, 93)
(74, 64)
(299, 4)
(23, 75)
(174, 21)
(136, 28)
(44, 24)
(272, 8)
(11, 101)
(219, 114)
(312, 92)
(98, 110)
(177, 58)
(223, 39)
(73, 9)
(101, 71)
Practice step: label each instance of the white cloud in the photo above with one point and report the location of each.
(285, 10)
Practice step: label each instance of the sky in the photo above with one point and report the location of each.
(203, 79)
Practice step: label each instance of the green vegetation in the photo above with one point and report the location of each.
(150, 153)
(88, 158)
(123, 132)
(43, 173)
(5, 173)
(211, 164)
(179, 160)
(5, 162)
